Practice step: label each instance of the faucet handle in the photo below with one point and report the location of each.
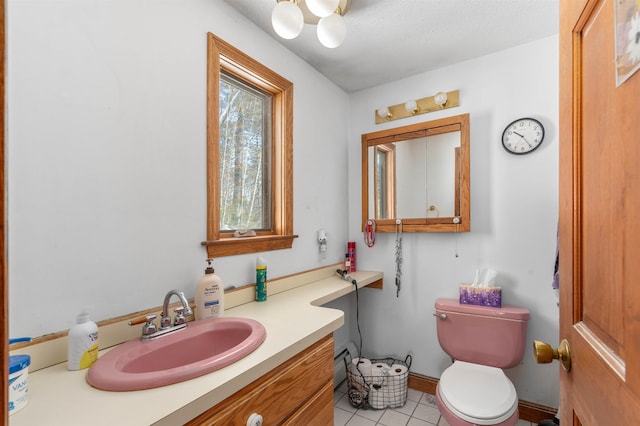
(165, 322)
(150, 327)
(180, 318)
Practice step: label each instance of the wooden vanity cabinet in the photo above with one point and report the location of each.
(298, 392)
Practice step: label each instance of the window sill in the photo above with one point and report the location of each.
(235, 246)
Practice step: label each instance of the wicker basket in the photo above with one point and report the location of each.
(385, 385)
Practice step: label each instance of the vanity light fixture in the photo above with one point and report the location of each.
(440, 101)
(289, 16)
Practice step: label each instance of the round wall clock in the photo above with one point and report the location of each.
(522, 136)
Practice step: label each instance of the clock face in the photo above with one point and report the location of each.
(523, 136)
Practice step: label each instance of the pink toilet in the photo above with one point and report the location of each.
(482, 341)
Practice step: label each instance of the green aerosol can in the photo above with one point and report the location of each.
(261, 280)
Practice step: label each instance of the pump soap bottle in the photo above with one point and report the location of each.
(82, 343)
(209, 295)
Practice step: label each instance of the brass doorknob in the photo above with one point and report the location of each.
(544, 353)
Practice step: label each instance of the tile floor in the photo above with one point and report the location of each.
(420, 410)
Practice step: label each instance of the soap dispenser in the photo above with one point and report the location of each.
(209, 295)
(82, 343)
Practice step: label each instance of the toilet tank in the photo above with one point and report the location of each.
(482, 335)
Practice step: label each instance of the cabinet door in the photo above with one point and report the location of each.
(318, 411)
(280, 394)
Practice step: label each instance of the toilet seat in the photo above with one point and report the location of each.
(477, 393)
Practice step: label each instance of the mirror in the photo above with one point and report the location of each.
(418, 174)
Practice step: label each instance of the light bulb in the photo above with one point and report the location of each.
(287, 20)
(383, 112)
(411, 107)
(322, 8)
(440, 98)
(332, 30)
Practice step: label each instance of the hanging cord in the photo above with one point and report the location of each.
(456, 221)
(398, 256)
(344, 274)
(370, 233)
(358, 322)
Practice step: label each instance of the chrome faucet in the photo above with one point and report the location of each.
(165, 320)
(150, 331)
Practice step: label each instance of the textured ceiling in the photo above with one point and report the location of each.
(391, 39)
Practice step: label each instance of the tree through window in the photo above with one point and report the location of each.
(245, 160)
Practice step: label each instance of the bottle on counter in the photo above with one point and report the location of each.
(351, 252)
(209, 296)
(261, 279)
(82, 344)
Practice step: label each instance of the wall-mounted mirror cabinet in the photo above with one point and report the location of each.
(419, 174)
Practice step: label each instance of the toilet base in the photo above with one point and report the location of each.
(454, 420)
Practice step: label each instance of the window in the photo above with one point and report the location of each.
(249, 154)
(385, 184)
(245, 156)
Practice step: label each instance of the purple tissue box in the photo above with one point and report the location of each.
(481, 296)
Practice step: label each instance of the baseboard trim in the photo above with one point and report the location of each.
(529, 411)
(423, 383)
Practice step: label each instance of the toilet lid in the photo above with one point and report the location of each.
(477, 393)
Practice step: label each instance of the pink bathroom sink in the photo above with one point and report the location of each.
(204, 346)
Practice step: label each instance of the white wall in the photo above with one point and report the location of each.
(514, 212)
(106, 148)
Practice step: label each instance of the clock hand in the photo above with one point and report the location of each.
(523, 138)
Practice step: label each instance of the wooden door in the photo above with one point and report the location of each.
(599, 220)
(4, 288)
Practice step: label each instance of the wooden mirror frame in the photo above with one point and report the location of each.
(428, 128)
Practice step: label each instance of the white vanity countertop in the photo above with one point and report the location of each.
(293, 320)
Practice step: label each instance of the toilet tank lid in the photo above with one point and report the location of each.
(506, 311)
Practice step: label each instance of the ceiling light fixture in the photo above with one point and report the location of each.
(289, 16)
(322, 8)
(332, 30)
(287, 20)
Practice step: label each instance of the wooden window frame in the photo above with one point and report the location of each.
(222, 56)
